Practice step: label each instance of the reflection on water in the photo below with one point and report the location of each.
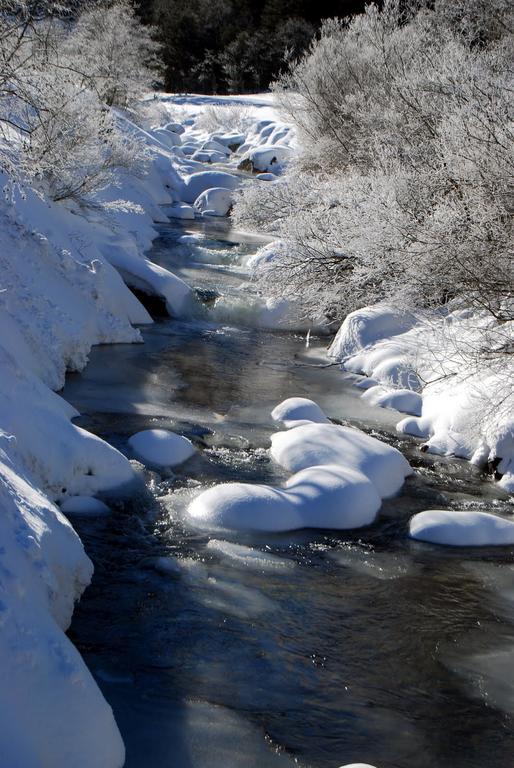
(311, 649)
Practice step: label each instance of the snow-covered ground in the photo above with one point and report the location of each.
(66, 272)
(458, 404)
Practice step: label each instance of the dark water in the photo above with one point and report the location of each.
(331, 647)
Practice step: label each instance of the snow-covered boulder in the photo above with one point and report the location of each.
(266, 158)
(296, 409)
(209, 156)
(161, 447)
(169, 139)
(365, 326)
(230, 140)
(214, 202)
(404, 400)
(196, 183)
(181, 211)
(461, 528)
(175, 128)
(311, 445)
(317, 497)
(216, 146)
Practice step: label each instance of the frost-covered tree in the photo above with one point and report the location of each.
(403, 190)
(57, 126)
(114, 53)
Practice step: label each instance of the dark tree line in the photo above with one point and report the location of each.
(220, 46)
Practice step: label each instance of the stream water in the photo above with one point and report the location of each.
(313, 649)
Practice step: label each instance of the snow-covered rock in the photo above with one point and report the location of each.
(197, 183)
(214, 202)
(175, 128)
(366, 326)
(181, 211)
(457, 528)
(266, 158)
(161, 447)
(311, 445)
(317, 497)
(295, 409)
(404, 400)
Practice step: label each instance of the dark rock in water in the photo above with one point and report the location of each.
(207, 295)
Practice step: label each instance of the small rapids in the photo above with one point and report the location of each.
(311, 649)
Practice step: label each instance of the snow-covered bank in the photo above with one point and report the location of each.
(459, 403)
(66, 272)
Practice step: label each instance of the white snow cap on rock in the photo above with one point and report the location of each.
(296, 409)
(403, 400)
(197, 183)
(315, 444)
(365, 326)
(161, 447)
(214, 202)
(461, 528)
(317, 497)
(266, 158)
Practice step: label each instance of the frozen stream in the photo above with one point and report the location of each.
(313, 649)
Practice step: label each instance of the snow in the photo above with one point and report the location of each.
(161, 447)
(196, 183)
(317, 497)
(311, 445)
(296, 409)
(457, 528)
(404, 400)
(216, 201)
(266, 158)
(427, 366)
(85, 506)
(49, 701)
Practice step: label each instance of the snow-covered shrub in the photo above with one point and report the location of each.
(224, 118)
(402, 188)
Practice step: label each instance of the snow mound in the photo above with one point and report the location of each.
(196, 183)
(84, 505)
(180, 211)
(296, 409)
(317, 497)
(365, 326)
(310, 445)
(456, 528)
(266, 158)
(161, 447)
(403, 400)
(214, 202)
(49, 701)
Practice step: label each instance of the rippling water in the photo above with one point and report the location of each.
(311, 649)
